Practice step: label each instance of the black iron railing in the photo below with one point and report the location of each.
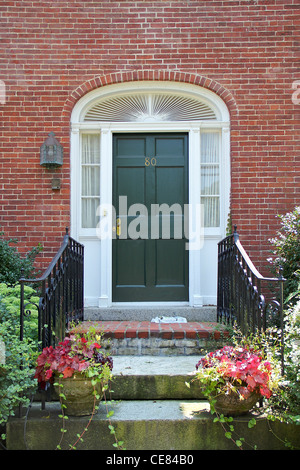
(240, 290)
(60, 290)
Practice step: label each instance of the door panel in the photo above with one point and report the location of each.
(150, 169)
(128, 273)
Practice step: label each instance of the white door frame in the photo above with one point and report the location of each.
(106, 131)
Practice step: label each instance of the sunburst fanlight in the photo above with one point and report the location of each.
(149, 108)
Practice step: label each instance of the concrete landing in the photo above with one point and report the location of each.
(206, 313)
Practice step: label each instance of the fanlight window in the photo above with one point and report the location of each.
(156, 107)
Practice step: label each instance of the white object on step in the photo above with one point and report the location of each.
(169, 320)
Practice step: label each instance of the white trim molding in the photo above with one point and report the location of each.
(98, 291)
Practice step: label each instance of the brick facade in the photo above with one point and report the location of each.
(55, 52)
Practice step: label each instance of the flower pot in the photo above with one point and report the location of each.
(232, 405)
(78, 390)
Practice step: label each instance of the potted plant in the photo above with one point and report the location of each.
(79, 370)
(234, 379)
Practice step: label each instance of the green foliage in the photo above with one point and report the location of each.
(285, 405)
(12, 262)
(286, 251)
(17, 359)
(10, 301)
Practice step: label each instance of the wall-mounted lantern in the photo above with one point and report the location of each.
(51, 152)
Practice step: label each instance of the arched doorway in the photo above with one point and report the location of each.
(162, 144)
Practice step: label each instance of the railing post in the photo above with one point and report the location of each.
(21, 322)
(235, 234)
(22, 279)
(281, 282)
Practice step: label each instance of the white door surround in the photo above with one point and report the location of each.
(98, 253)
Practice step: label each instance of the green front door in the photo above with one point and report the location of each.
(150, 189)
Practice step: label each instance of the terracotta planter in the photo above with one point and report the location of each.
(232, 405)
(78, 390)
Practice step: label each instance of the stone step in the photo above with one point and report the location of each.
(178, 425)
(206, 313)
(132, 337)
(154, 378)
(149, 423)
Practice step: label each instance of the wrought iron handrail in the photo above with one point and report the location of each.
(240, 299)
(61, 293)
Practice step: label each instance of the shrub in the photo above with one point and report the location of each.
(10, 300)
(284, 405)
(12, 262)
(286, 251)
(17, 361)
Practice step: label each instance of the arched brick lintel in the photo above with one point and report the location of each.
(159, 75)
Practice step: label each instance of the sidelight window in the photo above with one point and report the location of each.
(90, 180)
(210, 178)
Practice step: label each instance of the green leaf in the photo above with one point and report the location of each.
(251, 423)
(228, 435)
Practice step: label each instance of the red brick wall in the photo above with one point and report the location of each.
(54, 52)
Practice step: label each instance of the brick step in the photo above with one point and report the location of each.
(131, 337)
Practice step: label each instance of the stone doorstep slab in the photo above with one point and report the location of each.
(144, 425)
(205, 313)
(147, 329)
(150, 377)
(141, 365)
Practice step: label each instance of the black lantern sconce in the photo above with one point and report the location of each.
(51, 153)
